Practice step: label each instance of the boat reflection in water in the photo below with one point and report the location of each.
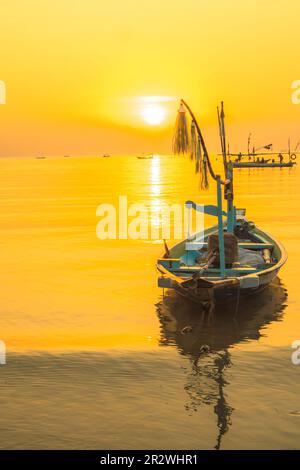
(205, 338)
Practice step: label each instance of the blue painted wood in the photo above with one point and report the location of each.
(230, 217)
(233, 272)
(220, 228)
(230, 207)
(208, 209)
(248, 245)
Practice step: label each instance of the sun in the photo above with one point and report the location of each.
(153, 114)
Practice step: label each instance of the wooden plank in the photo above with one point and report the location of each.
(256, 246)
(248, 246)
(232, 271)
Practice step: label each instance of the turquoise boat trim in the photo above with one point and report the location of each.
(174, 270)
(230, 206)
(246, 245)
(208, 209)
(220, 228)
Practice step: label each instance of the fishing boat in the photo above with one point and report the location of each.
(230, 259)
(257, 158)
(191, 271)
(289, 164)
(145, 157)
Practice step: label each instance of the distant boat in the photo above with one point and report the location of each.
(257, 158)
(145, 157)
(40, 157)
(67, 156)
(105, 155)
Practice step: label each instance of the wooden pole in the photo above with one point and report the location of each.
(220, 228)
(228, 190)
(212, 173)
(221, 137)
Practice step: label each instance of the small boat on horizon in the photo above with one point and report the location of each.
(257, 158)
(105, 155)
(40, 157)
(145, 157)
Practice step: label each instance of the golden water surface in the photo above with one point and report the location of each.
(96, 357)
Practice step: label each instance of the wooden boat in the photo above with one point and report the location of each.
(289, 164)
(257, 158)
(185, 269)
(225, 261)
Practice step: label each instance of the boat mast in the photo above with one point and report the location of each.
(228, 170)
(248, 145)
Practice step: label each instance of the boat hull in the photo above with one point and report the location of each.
(201, 290)
(224, 293)
(262, 165)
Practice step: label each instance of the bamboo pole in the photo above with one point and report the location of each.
(211, 171)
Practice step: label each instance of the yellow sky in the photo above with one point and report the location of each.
(74, 69)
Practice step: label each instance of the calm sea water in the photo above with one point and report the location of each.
(96, 357)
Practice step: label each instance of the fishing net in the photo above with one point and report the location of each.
(181, 135)
(189, 142)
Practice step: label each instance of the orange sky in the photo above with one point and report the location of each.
(74, 71)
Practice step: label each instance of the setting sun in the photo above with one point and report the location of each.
(153, 114)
